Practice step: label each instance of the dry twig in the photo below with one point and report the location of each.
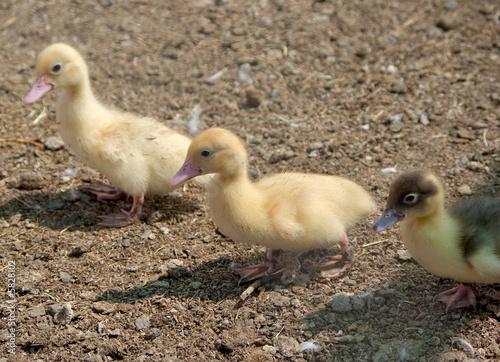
(20, 140)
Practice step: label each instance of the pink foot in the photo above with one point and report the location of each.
(105, 191)
(330, 269)
(260, 270)
(459, 297)
(124, 218)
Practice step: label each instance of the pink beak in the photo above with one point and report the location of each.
(186, 172)
(38, 90)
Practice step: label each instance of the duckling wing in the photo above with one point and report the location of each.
(140, 154)
(480, 235)
(312, 211)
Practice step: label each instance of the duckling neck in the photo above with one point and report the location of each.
(429, 237)
(77, 107)
(234, 179)
(80, 117)
(235, 203)
(435, 217)
(229, 187)
(78, 92)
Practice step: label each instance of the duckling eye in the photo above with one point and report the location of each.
(206, 153)
(410, 199)
(56, 68)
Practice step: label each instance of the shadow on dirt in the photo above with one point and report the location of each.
(396, 320)
(213, 280)
(491, 185)
(80, 211)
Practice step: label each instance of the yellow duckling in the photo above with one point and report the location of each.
(461, 242)
(290, 211)
(137, 155)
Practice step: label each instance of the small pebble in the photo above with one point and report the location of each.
(287, 346)
(54, 308)
(71, 219)
(142, 322)
(64, 315)
(65, 277)
(448, 22)
(37, 311)
(474, 166)
(195, 285)
(100, 327)
(314, 146)
(29, 181)
(451, 5)
(126, 243)
(53, 143)
(391, 69)
(115, 333)
(346, 302)
(160, 284)
(343, 43)
(404, 255)
(85, 197)
(145, 234)
(464, 190)
(54, 206)
(424, 119)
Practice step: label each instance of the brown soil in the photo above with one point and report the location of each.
(345, 88)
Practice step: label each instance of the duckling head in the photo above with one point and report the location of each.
(58, 66)
(215, 150)
(413, 194)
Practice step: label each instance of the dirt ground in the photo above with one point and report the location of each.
(336, 87)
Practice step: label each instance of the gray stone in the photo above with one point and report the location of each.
(161, 284)
(451, 5)
(195, 285)
(71, 219)
(346, 302)
(54, 308)
(64, 315)
(424, 119)
(54, 206)
(142, 322)
(287, 346)
(269, 349)
(314, 146)
(65, 277)
(37, 311)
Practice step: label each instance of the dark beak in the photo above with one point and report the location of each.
(388, 218)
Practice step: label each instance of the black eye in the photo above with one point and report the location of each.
(206, 153)
(410, 199)
(56, 68)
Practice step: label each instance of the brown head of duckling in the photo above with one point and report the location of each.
(412, 194)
